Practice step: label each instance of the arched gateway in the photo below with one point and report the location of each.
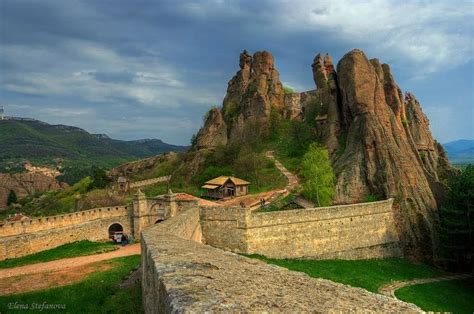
(113, 228)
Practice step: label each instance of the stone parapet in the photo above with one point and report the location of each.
(181, 275)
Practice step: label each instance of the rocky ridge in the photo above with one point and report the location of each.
(379, 139)
(25, 184)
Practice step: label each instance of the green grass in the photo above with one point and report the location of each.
(79, 248)
(368, 274)
(97, 293)
(455, 296)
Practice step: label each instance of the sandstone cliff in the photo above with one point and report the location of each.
(252, 94)
(25, 184)
(378, 138)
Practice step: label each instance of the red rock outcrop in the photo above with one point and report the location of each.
(25, 184)
(214, 132)
(252, 94)
(381, 157)
(379, 140)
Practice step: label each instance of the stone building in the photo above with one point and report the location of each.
(224, 186)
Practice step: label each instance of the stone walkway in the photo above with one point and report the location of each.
(389, 289)
(293, 182)
(133, 249)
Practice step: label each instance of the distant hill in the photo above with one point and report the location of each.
(33, 140)
(460, 151)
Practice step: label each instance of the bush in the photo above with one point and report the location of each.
(288, 90)
(300, 138)
(318, 185)
(12, 199)
(457, 222)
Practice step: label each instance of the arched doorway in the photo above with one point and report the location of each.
(114, 228)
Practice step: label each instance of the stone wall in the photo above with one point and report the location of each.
(61, 221)
(46, 233)
(146, 182)
(181, 275)
(358, 231)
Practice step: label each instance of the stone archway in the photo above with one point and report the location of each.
(115, 227)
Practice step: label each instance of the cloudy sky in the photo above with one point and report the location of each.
(150, 69)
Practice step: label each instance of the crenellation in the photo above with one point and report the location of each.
(364, 230)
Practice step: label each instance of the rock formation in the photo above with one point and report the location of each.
(378, 158)
(214, 132)
(25, 184)
(251, 94)
(379, 140)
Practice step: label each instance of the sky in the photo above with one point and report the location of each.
(151, 69)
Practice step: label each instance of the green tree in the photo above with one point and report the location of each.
(99, 178)
(300, 138)
(249, 164)
(12, 199)
(457, 222)
(316, 169)
(288, 90)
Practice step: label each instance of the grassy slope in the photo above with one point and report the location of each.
(98, 293)
(446, 296)
(367, 274)
(40, 142)
(79, 248)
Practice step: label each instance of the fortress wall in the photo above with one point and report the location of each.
(181, 275)
(224, 227)
(61, 221)
(27, 243)
(148, 182)
(357, 231)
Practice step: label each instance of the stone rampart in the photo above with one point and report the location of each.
(146, 182)
(61, 221)
(26, 237)
(357, 231)
(181, 275)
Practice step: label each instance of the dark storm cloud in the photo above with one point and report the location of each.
(136, 69)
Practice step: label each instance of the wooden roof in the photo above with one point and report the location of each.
(216, 182)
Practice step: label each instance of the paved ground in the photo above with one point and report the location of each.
(389, 289)
(133, 249)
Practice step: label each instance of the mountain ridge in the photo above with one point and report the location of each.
(30, 139)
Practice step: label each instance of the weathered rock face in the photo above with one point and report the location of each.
(214, 132)
(141, 166)
(251, 95)
(25, 184)
(379, 157)
(379, 140)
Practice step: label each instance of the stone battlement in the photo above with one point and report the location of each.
(365, 230)
(146, 182)
(180, 274)
(59, 221)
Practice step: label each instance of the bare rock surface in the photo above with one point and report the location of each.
(251, 94)
(214, 132)
(25, 184)
(378, 158)
(379, 140)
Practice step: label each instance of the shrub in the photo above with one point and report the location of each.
(370, 198)
(12, 198)
(288, 90)
(318, 185)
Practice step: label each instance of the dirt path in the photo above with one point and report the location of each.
(389, 289)
(67, 263)
(293, 182)
(50, 279)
